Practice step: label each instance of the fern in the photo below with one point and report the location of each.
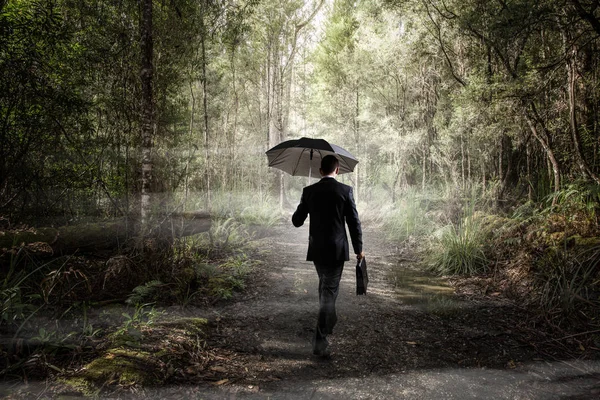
(144, 292)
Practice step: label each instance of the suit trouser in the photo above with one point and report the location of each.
(330, 275)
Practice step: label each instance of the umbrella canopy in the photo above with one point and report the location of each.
(301, 156)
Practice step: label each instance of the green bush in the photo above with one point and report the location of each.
(144, 293)
(577, 197)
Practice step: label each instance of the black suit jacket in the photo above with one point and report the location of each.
(330, 205)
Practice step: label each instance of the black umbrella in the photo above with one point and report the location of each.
(299, 157)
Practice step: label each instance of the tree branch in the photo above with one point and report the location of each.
(439, 38)
(297, 30)
(588, 16)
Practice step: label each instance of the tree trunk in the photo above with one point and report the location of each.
(274, 113)
(233, 141)
(191, 132)
(572, 77)
(424, 167)
(508, 155)
(542, 137)
(146, 76)
(206, 132)
(282, 122)
(268, 97)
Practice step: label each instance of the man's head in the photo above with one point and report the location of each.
(329, 165)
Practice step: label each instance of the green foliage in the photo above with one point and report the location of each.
(525, 211)
(573, 199)
(53, 341)
(227, 234)
(223, 279)
(39, 96)
(549, 253)
(130, 333)
(261, 214)
(380, 78)
(205, 271)
(409, 217)
(568, 282)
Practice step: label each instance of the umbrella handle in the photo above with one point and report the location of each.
(310, 166)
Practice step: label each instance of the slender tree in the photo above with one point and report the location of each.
(147, 125)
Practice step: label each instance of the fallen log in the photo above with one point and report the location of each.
(104, 235)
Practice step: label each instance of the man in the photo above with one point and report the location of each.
(329, 204)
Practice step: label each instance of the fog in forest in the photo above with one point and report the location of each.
(145, 216)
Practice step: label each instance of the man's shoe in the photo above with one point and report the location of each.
(325, 353)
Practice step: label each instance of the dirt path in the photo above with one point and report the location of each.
(383, 347)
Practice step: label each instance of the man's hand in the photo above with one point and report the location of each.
(360, 256)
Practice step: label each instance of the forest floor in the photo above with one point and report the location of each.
(411, 337)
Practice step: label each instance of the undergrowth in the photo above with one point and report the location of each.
(250, 208)
(544, 254)
(550, 252)
(192, 270)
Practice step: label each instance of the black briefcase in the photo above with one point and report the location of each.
(362, 278)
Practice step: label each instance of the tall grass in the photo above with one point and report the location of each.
(460, 249)
(567, 272)
(17, 297)
(409, 217)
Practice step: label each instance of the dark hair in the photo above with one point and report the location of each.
(328, 164)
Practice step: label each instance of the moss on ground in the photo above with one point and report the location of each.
(122, 367)
(165, 347)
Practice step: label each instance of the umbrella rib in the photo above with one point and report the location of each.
(320, 154)
(277, 157)
(298, 162)
(345, 162)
